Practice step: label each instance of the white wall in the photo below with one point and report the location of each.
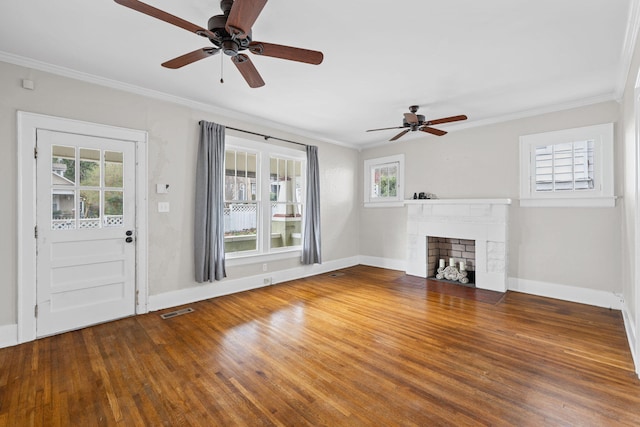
(557, 246)
(630, 284)
(172, 148)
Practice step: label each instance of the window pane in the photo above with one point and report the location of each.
(286, 224)
(63, 207)
(89, 209)
(565, 167)
(113, 169)
(384, 181)
(113, 209)
(63, 165)
(63, 193)
(240, 176)
(240, 227)
(89, 167)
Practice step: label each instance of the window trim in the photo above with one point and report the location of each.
(370, 164)
(263, 251)
(602, 195)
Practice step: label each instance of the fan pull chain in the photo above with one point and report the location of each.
(221, 69)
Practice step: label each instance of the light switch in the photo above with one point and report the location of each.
(163, 206)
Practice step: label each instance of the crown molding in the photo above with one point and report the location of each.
(225, 117)
(628, 47)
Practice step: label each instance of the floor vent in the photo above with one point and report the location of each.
(176, 313)
(336, 274)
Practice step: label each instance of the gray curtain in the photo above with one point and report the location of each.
(209, 220)
(311, 250)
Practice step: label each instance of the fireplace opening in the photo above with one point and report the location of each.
(444, 252)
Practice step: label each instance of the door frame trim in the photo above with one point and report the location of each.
(27, 124)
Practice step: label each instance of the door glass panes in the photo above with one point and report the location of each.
(89, 167)
(62, 209)
(90, 195)
(241, 202)
(89, 209)
(63, 200)
(113, 208)
(286, 204)
(113, 169)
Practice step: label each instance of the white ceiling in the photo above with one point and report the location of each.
(487, 59)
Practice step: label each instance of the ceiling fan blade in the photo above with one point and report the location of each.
(400, 135)
(242, 17)
(286, 52)
(190, 57)
(395, 127)
(411, 118)
(166, 17)
(248, 70)
(433, 131)
(447, 120)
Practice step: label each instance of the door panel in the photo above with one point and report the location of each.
(85, 206)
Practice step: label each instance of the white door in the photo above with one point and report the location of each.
(85, 217)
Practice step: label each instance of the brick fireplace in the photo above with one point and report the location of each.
(483, 221)
(445, 248)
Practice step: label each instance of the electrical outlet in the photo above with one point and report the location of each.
(264, 267)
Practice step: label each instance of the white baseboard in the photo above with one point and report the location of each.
(391, 264)
(231, 286)
(630, 329)
(8, 335)
(567, 293)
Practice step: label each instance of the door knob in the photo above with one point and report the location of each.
(129, 233)
(129, 239)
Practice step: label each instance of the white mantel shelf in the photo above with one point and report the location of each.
(458, 201)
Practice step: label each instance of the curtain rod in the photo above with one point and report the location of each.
(266, 137)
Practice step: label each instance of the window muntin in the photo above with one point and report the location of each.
(565, 166)
(383, 181)
(572, 167)
(264, 198)
(285, 176)
(87, 188)
(241, 201)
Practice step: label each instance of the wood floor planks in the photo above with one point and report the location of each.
(370, 347)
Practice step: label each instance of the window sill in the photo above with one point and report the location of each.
(586, 202)
(261, 258)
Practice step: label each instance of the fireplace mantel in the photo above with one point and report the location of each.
(483, 220)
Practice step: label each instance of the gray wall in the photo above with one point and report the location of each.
(172, 149)
(567, 246)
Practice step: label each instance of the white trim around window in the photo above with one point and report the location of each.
(599, 192)
(373, 196)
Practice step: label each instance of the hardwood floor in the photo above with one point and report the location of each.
(370, 347)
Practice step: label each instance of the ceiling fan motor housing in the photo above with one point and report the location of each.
(229, 45)
(414, 126)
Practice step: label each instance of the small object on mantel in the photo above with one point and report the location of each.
(415, 196)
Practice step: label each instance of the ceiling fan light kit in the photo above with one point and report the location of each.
(417, 122)
(231, 34)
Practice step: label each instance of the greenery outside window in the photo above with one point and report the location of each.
(264, 198)
(383, 181)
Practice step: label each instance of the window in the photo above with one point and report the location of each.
(383, 181)
(572, 167)
(264, 193)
